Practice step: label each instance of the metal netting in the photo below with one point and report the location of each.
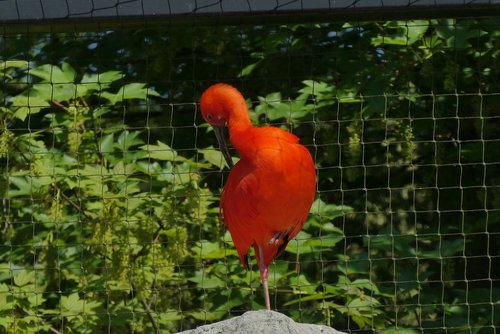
(64, 15)
(111, 180)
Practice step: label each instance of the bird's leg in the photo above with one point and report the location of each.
(263, 276)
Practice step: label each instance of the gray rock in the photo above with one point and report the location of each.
(265, 322)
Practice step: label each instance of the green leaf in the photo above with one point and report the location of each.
(348, 95)
(273, 107)
(300, 284)
(7, 321)
(355, 266)
(136, 91)
(247, 70)
(128, 139)
(161, 151)
(215, 157)
(457, 37)
(121, 171)
(207, 281)
(106, 144)
(24, 278)
(317, 88)
(22, 112)
(55, 74)
(207, 315)
(166, 317)
(316, 296)
(60, 92)
(98, 81)
(130, 91)
(100, 111)
(304, 243)
(364, 305)
(5, 302)
(13, 63)
(402, 33)
(416, 29)
(27, 105)
(330, 211)
(363, 283)
(23, 186)
(72, 305)
(211, 250)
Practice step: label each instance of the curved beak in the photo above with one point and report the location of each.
(220, 133)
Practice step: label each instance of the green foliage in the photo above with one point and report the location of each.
(110, 191)
(78, 220)
(373, 117)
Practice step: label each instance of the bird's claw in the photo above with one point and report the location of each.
(277, 238)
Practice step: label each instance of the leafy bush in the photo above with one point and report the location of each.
(94, 228)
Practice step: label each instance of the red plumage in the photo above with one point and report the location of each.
(269, 192)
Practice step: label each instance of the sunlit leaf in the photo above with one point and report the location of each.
(212, 250)
(304, 243)
(128, 139)
(24, 277)
(215, 157)
(330, 211)
(54, 74)
(247, 70)
(207, 315)
(27, 105)
(402, 33)
(314, 297)
(207, 281)
(106, 143)
(129, 91)
(96, 81)
(161, 151)
(13, 63)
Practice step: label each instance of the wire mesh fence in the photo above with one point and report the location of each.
(65, 15)
(111, 179)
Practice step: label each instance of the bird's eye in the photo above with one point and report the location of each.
(210, 117)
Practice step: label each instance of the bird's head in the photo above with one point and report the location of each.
(218, 101)
(217, 104)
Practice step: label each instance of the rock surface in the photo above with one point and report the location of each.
(265, 322)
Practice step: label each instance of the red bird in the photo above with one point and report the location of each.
(269, 192)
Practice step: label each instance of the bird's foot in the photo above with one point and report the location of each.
(277, 238)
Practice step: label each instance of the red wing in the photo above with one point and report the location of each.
(268, 192)
(237, 209)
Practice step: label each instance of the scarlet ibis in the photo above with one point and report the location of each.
(270, 190)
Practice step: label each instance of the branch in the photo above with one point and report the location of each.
(146, 308)
(53, 330)
(59, 104)
(156, 235)
(73, 204)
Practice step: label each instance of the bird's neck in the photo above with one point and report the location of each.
(239, 124)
